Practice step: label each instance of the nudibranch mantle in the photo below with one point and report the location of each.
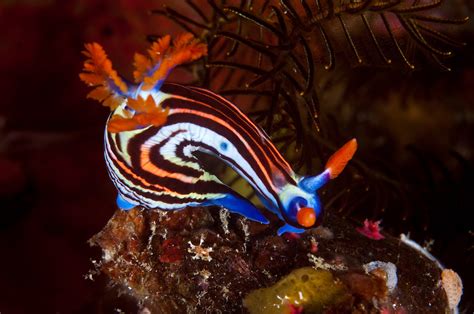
(155, 128)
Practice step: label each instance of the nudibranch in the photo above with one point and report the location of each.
(155, 128)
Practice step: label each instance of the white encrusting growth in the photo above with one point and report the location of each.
(199, 251)
(390, 270)
(320, 263)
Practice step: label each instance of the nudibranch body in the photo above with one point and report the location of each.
(155, 128)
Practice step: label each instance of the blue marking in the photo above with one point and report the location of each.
(268, 205)
(123, 204)
(224, 146)
(158, 85)
(295, 204)
(239, 205)
(311, 184)
(114, 88)
(288, 228)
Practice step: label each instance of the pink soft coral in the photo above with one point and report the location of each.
(294, 309)
(371, 229)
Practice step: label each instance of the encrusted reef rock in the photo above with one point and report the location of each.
(205, 259)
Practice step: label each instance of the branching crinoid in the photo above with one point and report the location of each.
(268, 57)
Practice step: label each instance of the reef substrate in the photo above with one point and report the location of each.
(208, 260)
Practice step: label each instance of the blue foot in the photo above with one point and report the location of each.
(239, 205)
(288, 228)
(123, 204)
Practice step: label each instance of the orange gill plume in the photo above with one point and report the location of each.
(165, 57)
(143, 64)
(150, 72)
(146, 113)
(98, 72)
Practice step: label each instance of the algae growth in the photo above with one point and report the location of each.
(305, 287)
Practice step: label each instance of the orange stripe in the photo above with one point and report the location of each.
(143, 181)
(274, 151)
(147, 165)
(225, 124)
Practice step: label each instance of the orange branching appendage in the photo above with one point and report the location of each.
(150, 72)
(98, 72)
(338, 161)
(146, 113)
(164, 57)
(144, 65)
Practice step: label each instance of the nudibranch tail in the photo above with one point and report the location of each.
(98, 72)
(338, 161)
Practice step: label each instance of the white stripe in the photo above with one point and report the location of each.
(124, 186)
(211, 138)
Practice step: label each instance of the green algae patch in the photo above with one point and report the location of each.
(307, 288)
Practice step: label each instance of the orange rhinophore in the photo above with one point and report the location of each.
(338, 161)
(98, 72)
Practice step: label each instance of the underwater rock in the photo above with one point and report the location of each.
(203, 259)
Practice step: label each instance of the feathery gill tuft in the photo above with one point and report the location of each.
(98, 72)
(146, 113)
(150, 72)
(163, 57)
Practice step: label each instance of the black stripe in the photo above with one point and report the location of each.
(135, 144)
(215, 152)
(266, 143)
(229, 135)
(200, 187)
(164, 198)
(134, 148)
(232, 115)
(117, 141)
(217, 127)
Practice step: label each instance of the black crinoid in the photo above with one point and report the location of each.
(314, 73)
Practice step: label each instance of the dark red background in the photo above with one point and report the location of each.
(54, 190)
